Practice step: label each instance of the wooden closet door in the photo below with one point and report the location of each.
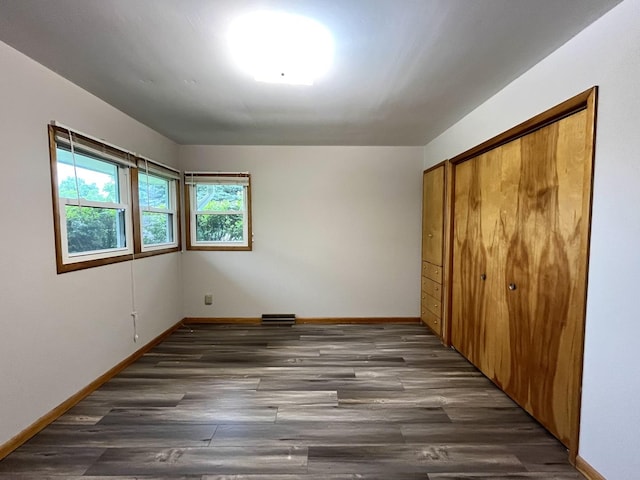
(521, 213)
(473, 308)
(433, 215)
(545, 271)
(520, 219)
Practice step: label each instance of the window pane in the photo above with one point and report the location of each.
(90, 229)
(153, 191)
(219, 198)
(157, 228)
(97, 179)
(219, 228)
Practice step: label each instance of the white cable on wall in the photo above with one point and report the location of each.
(134, 312)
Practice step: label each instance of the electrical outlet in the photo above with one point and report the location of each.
(208, 299)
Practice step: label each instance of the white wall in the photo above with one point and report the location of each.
(60, 332)
(336, 229)
(606, 54)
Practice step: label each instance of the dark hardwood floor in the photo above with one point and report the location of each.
(316, 402)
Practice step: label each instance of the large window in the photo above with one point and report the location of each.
(97, 189)
(92, 202)
(219, 207)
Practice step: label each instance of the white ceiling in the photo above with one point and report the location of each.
(404, 70)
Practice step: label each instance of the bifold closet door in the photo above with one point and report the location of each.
(476, 322)
(520, 236)
(546, 272)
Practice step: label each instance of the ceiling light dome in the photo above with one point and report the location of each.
(279, 47)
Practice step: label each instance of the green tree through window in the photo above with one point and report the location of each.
(226, 226)
(92, 228)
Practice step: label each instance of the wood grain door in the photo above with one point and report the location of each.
(477, 204)
(545, 262)
(520, 245)
(433, 215)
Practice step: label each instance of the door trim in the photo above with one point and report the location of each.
(583, 101)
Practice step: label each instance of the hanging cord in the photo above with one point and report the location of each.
(194, 196)
(75, 167)
(134, 313)
(194, 205)
(146, 169)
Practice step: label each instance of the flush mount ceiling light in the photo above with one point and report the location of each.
(279, 47)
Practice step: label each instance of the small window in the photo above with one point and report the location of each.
(219, 208)
(158, 213)
(91, 202)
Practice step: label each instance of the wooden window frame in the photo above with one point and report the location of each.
(133, 252)
(188, 189)
(137, 221)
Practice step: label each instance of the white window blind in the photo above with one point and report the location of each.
(222, 178)
(151, 166)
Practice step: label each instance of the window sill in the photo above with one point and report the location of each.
(221, 248)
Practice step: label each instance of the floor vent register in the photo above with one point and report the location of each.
(279, 319)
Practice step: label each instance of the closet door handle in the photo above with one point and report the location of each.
(483, 276)
(512, 286)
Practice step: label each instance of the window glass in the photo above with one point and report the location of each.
(219, 228)
(220, 198)
(98, 223)
(157, 228)
(91, 229)
(154, 191)
(96, 179)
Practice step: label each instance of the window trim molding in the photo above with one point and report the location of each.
(188, 188)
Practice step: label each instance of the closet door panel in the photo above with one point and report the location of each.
(574, 167)
(465, 298)
(499, 345)
(476, 213)
(469, 262)
(542, 287)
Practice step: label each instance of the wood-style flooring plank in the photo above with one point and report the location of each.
(262, 398)
(154, 416)
(479, 433)
(362, 415)
(295, 384)
(50, 460)
(200, 461)
(120, 436)
(411, 458)
(309, 433)
(435, 397)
